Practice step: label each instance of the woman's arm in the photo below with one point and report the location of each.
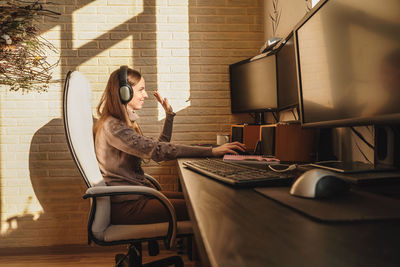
(125, 139)
(166, 133)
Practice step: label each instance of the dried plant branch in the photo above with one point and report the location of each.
(23, 52)
(275, 16)
(308, 5)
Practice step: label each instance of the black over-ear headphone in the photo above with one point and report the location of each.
(125, 90)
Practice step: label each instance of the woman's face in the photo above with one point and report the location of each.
(139, 95)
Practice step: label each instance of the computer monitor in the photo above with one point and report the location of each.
(253, 86)
(348, 59)
(287, 76)
(348, 63)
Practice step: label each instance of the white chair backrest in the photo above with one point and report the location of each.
(78, 123)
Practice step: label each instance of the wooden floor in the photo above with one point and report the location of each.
(73, 256)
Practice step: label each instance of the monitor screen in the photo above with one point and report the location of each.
(253, 85)
(348, 56)
(287, 76)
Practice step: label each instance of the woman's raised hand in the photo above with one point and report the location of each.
(164, 102)
(228, 148)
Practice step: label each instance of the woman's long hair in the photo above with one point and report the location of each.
(110, 103)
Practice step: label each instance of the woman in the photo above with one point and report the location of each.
(120, 148)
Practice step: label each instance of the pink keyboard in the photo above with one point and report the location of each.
(250, 158)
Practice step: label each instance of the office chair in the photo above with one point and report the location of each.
(78, 123)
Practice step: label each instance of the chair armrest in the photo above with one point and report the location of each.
(153, 181)
(102, 191)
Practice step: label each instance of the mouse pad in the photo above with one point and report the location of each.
(352, 206)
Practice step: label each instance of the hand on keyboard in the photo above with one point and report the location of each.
(239, 152)
(229, 148)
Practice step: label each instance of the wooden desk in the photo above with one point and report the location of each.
(243, 228)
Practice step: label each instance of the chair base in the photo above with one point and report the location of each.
(184, 245)
(170, 261)
(134, 259)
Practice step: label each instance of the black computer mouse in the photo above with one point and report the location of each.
(319, 183)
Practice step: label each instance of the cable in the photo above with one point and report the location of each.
(258, 148)
(358, 146)
(362, 137)
(275, 117)
(362, 153)
(289, 168)
(371, 130)
(294, 115)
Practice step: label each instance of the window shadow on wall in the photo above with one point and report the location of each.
(58, 188)
(221, 33)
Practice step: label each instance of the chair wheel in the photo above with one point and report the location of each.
(180, 246)
(153, 247)
(120, 260)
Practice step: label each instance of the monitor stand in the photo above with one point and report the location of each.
(386, 154)
(352, 166)
(259, 118)
(387, 145)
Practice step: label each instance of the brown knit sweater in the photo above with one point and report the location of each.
(120, 150)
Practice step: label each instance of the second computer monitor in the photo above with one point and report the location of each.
(287, 76)
(253, 85)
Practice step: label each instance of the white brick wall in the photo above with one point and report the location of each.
(182, 47)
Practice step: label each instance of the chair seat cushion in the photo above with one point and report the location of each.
(138, 231)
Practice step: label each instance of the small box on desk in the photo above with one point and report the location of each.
(253, 135)
(294, 143)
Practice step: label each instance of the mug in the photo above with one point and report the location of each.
(222, 139)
